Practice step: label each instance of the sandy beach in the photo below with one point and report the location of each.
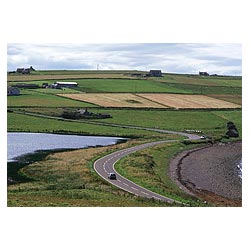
(210, 173)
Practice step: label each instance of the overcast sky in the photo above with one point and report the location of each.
(215, 58)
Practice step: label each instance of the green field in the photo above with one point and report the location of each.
(210, 122)
(44, 98)
(39, 110)
(22, 123)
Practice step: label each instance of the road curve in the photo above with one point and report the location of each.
(105, 165)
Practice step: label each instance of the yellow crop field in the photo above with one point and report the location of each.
(115, 100)
(177, 101)
(188, 101)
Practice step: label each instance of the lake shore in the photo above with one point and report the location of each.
(210, 173)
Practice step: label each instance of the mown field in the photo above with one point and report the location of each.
(177, 101)
(120, 100)
(67, 178)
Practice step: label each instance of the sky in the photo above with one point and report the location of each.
(190, 58)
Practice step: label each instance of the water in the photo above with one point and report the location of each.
(24, 143)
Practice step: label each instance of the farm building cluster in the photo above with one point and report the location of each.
(84, 114)
(24, 71)
(15, 89)
(151, 73)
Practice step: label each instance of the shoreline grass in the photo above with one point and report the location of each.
(67, 179)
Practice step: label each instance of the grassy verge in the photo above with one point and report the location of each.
(148, 168)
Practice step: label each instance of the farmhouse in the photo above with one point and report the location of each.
(203, 73)
(59, 85)
(25, 71)
(155, 73)
(13, 91)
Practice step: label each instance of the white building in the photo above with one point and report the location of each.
(65, 84)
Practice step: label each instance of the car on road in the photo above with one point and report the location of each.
(112, 176)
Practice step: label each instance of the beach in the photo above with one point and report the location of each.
(210, 173)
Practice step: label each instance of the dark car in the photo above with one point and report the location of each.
(112, 176)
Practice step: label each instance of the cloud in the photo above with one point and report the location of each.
(169, 57)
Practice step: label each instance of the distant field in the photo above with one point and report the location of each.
(126, 86)
(228, 81)
(212, 81)
(23, 78)
(152, 100)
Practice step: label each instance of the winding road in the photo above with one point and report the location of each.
(105, 165)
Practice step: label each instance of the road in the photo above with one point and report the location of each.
(105, 165)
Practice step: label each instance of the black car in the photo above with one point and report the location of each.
(112, 176)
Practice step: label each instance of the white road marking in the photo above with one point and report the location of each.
(134, 188)
(125, 184)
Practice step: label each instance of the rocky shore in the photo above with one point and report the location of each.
(210, 173)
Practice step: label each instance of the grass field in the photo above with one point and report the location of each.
(33, 98)
(210, 122)
(22, 123)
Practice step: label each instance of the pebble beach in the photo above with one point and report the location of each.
(210, 173)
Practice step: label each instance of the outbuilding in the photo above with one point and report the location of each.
(13, 91)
